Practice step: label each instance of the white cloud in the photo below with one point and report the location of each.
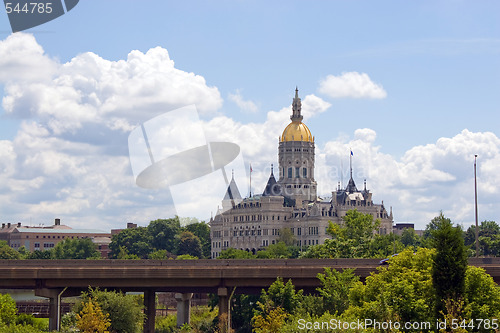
(351, 85)
(245, 105)
(23, 59)
(425, 180)
(92, 90)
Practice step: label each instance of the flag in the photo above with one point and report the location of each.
(251, 168)
(352, 153)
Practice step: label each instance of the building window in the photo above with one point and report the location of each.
(304, 172)
(290, 173)
(297, 172)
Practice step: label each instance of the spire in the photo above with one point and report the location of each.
(296, 107)
(232, 192)
(272, 187)
(351, 186)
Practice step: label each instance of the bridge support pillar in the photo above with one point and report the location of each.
(149, 311)
(54, 296)
(224, 310)
(183, 308)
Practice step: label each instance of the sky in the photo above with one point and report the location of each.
(411, 87)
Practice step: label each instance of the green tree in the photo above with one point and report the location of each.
(280, 294)
(8, 309)
(335, 289)
(352, 239)
(242, 309)
(37, 254)
(136, 241)
(382, 246)
(160, 255)
(124, 311)
(163, 234)
(482, 295)
(401, 291)
(410, 238)
(286, 236)
(235, 254)
(488, 238)
(450, 262)
(82, 248)
(6, 252)
(202, 231)
(275, 251)
(189, 244)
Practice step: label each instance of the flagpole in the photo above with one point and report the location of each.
(350, 162)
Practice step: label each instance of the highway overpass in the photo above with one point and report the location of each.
(61, 278)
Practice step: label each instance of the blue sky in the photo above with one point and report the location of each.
(412, 87)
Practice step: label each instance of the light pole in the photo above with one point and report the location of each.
(475, 199)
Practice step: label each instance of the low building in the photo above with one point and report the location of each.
(39, 238)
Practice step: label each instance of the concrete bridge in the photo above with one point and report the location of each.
(56, 279)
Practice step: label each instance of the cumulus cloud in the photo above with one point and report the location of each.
(23, 59)
(244, 105)
(92, 90)
(426, 179)
(351, 85)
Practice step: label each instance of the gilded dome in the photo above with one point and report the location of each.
(297, 131)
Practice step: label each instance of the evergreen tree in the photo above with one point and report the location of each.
(450, 262)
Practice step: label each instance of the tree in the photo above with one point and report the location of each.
(160, 255)
(280, 294)
(163, 234)
(189, 244)
(401, 291)
(8, 309)
(76, 249)
(335, 289)
(450, 262)
(91, 319)
(275, 251)
(410, 238)
(37, 254)
(232, 253)
(352, 239)
(488, 238)
(272, 322)
(125, 312)
(202, 231)
(6, 252)
(286, 236)
(136, 241)
(482, 294)
(382, 246)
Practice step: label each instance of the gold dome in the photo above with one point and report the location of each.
(297, 131)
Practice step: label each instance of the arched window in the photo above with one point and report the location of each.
(304, 172)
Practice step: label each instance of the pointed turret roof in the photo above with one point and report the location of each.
(232, 192)
(351, 186)
(272, 187)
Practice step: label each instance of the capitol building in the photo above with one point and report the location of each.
(290, 202)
